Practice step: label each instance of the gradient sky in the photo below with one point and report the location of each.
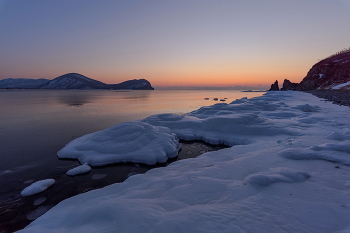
(171, 43)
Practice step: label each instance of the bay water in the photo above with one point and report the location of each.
(35, 124)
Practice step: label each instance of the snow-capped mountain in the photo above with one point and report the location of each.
(330, 73)
(73, 81)
(22, 83)
(78, 81)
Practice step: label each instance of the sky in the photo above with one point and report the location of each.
(201, 43)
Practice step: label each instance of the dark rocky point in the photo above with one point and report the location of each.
(289, 86)
(328, 73)
(332, 73)
(274, 86)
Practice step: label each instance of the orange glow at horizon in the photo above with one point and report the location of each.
(203, 79)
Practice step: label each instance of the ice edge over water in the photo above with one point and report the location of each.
(285, 172)
(136, 142)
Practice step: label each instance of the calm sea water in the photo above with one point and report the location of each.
(34, 125)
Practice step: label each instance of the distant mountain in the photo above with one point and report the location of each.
(136, 84)
(78, 81)
(22, 83)
(74, 81)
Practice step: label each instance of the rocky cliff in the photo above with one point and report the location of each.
(330, 73)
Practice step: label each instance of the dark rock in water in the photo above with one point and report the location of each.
(330, 73)
(274, 86)
(288, 85)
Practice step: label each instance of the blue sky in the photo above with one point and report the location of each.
(171, 43)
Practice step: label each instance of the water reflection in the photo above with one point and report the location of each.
(133, 95)
(76, 98)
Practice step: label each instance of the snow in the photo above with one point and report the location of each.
(277, 175)
(37, 187)
(287, 171)
(136, 142)
(337, 87)
(79, 170)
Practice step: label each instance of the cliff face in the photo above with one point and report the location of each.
(330, 73)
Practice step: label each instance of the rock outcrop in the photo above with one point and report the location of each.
(330, 73)
(289, 86)
(274, 86)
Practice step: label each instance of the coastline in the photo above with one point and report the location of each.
(334, 96)
(288, 169)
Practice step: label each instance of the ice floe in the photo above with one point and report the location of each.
(136, 142)
(37, 187)
(82, 169)
(285, 172)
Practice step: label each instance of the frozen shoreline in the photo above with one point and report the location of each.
(285, 172)
(336, 97)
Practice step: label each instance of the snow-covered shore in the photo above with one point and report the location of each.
(287, 171)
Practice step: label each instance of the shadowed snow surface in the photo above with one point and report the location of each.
(285, 172)
(136, 142)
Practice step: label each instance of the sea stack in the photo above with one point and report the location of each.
(274, 86)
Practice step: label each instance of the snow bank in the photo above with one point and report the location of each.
(136, 142)
(285, 173)
(37, 187)
(337, 87)
(277, 175)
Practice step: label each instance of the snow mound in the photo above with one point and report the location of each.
(311, 154)
(277, 175)
(340, 136)
(79, 170)
(307, 108)
(37, 187)
(230, 124)
(345, 147)
(136, 142)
